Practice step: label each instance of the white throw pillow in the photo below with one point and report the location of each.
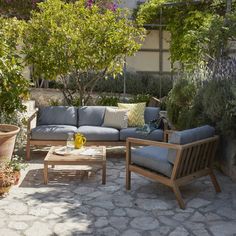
(116, 118)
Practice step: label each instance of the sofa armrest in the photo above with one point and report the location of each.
(167, 134)
(29, 122)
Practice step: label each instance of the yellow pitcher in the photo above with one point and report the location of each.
(80, 140)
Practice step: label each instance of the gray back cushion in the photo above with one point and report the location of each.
(151, 113)
(188, 136)
(91, 115)
(57, 115)
(192, 135)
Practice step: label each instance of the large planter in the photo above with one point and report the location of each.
(7, 141)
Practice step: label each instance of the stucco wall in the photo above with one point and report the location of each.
(148, 58)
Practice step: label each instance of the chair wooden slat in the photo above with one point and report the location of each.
(195, 158)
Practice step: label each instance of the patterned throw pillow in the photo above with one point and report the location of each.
(135, 114)
(116, 118)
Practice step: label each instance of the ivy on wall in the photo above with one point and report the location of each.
(199, 32)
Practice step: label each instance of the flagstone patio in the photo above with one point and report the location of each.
(76, 203)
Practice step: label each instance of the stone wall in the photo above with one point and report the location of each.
(45, 97)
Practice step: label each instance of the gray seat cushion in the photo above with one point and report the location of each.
(57, 115)
(156, 135)
(151, 113)
(91, 115)
(153, 158)
(189, 136)
(52, 132)
(96, 133)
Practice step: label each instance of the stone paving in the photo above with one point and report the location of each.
(76, 203)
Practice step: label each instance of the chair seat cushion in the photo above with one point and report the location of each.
(97, 133)
(52, 132)
(153, 158)
(156, 135)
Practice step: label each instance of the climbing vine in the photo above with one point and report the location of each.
(199, 32)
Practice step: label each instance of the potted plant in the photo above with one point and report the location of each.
(17, 165)
(6, 178)
(13, 86)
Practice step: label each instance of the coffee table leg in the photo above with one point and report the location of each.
(45, 173)
(104, 173)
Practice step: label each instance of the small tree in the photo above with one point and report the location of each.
(87, 43)
(13, 86)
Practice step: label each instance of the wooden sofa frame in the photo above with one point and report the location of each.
(192, 161)
(31, 142)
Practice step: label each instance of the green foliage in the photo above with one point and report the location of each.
(55, 102)
(13, 86)
(137, 83)
(206, 97)
(180, 103)
(17, 163)
(218, 102)
(140, 98)
(59, 43)
(106, 100)
(199, 32)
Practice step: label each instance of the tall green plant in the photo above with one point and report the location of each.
(13, 86)
(180, 103)
(73, 39)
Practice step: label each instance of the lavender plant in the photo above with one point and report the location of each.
(207, 95)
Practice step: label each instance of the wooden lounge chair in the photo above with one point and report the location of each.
(175, 163)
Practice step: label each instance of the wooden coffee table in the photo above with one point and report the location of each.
(76, 159)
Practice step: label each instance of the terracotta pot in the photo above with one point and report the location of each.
(7, 141)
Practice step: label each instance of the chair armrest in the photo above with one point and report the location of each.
(31, 118)
(144, 142)
(167, 134)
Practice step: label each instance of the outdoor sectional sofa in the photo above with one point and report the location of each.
(55, 122)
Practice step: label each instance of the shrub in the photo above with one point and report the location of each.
(106, 100)
(180, 103)
(209, 97)
(13, 86)
(137, 83)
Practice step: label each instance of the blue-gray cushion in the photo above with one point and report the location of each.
(91, 115)
(156, 135)
(57, 115)
(151, 113)
(189, 136)
(192, 135)
(96, 133)
(153, 158)
(52, 132)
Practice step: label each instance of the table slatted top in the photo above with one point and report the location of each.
(73, 158)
